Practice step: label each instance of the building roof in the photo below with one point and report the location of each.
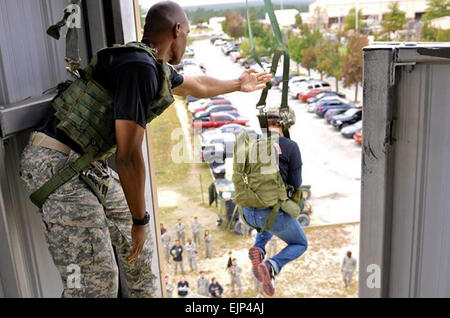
(285, 17)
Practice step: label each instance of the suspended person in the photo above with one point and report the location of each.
(64, 166)
(285, 226)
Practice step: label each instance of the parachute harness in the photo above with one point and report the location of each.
(281, 50)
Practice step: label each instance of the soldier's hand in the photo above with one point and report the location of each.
(251, 80)
(138, 237)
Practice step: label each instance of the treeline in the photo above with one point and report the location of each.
(201, 15)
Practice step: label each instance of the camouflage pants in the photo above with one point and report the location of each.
(196, 237)
(81, 233)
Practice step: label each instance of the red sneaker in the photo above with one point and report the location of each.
(256, 257)
(266, 275)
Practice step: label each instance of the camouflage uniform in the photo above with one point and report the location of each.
(235, 272)
(180, 228)
(191, 252)
(169, 289)
(80, 232)
(208, 246)
(203, 286)
(167, 242)
(195, 226)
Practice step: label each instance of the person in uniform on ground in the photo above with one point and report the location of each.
(183, 287)
(169, 287)
(180, 229)
(195, 227)
(348, 268)
(104, 113)
(167, 244)
(203, 285)
(177, 255)
(215, 290)
(191, 253)
(208, 244)
(285, 226)
(272, 247)
(235, 272)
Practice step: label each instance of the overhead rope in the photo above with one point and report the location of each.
(281, 50)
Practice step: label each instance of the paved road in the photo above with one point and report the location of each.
(331, 164)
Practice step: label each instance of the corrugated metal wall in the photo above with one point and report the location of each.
(406, 175)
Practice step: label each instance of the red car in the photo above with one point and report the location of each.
(358, 137)
(313, 92)
(217, 120)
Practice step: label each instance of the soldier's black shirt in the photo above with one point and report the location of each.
(132, 77)
(289, 162)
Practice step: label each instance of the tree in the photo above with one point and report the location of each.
(352, 63)
(394, 20)
(329, 60)
(350, 20)
(435, 9)
(234, 25)
(298, 20)
(295, 47)
(309, 60)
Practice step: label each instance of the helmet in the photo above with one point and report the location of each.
(286, 115)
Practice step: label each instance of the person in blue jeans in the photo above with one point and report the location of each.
(285, 227)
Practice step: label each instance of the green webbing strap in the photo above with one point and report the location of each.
(271, 218)
(39, 196)
(281, 51)
(252, 42)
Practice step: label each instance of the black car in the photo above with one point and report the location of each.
(324, 94)
(350, 117)
(215, 109)
(329, 115)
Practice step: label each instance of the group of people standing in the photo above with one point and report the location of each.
(173, 252)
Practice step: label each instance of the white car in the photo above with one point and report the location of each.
(299, 79)
(220, 42)
(223, 138)
(303, 87)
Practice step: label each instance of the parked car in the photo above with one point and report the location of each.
(203, 106)
(189, 53)
(220, 42)
(227, 139)
(337, 103)
(218, 170)
(358, 136)
(232, 128)
(229, 48)
(324, 94)
(235, 56)
(311, 108)
(348, 118)
(276, 80)
(299, 79)
(296, 90)
(217, 120)
(214, 109)
(247, 62)
(349, 131)
(333, 112)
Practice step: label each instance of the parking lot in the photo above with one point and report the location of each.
(331, 163)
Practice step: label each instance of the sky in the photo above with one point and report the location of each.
(185, 3)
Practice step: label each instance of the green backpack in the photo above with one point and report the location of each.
(256, 177)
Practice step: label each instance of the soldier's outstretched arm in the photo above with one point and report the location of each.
(131, 169)
(205, 86)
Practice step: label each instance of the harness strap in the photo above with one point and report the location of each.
(39, 196)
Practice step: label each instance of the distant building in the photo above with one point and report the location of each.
(285, 18)
(334, 11)
(442, 23)
(215, 23)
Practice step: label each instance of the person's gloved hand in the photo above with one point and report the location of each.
(297, 196)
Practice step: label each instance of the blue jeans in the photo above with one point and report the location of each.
(285, 227)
